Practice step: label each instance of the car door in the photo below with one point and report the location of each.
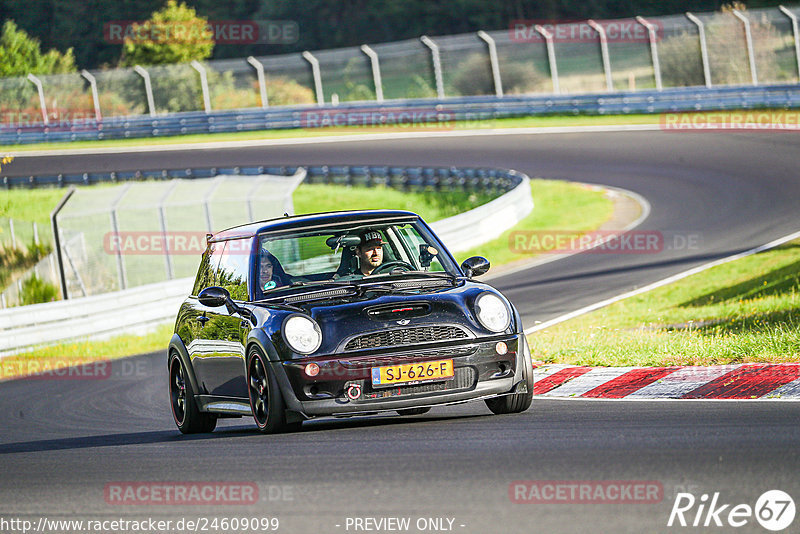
(219, 360)
(194, 317)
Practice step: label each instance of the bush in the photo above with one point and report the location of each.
(18, 259)
(282, 92)
(36, 290)
(681, 63)
(474, 77)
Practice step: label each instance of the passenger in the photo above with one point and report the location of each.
(270, 272)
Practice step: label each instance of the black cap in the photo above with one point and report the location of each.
(371, 237)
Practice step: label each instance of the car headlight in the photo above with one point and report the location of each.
(302, 334)
(492, 313)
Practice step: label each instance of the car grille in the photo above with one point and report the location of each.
(406, 336)
(464, 378)
(416, 356)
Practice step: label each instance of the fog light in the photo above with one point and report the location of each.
(501, 348)
(312, 369)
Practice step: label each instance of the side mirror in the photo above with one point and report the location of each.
(214, 296)
(475, 266)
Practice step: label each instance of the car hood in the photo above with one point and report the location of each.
(343, 319)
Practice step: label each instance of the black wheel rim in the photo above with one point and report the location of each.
(177, 389)
(259, 390)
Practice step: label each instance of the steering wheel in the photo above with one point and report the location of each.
(389, 265)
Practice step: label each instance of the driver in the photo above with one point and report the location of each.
(370, 251)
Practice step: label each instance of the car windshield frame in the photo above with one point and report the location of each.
(322, 255)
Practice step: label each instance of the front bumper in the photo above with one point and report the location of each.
(480, 372)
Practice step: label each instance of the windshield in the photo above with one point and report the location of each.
(350, 254)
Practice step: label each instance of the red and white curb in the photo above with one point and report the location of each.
(742, 381)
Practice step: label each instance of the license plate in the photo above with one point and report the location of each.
(411, 373)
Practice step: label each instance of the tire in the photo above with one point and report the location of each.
(413, 411)
(187, 416)
(516, 402)
(266, 401)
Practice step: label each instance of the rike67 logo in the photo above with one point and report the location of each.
(774, 510)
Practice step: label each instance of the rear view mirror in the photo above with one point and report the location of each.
(475, 266)
(340, 241)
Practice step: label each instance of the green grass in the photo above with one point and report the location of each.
(557, 205)
(35, 205)
(32, 205)
(81, 352)
(522, 122)
(742, 311)
(312, 198)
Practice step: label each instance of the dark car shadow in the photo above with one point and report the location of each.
(169, 436)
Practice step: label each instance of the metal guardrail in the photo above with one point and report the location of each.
(131, 310)
(419, 113)
(102, 315)
(402, 178)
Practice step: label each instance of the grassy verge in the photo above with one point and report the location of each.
(557, 206)
(586, 209)
(313, 198)
(34, 205)
(522, 122)
(742, 311)
(81, 352)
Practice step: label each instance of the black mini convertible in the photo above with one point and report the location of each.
(341, 314)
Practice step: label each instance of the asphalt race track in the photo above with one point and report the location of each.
(66, 444)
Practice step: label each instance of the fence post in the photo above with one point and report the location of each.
(13, 236)
(701, 30)
(196, 65)
(551, 56)
(262, 82)
(604, 52)
(376, 71)
(498, 82)
(95, 97)
(207, 201)
(162, 219)
(748, 37)
(795, 33)
(651, 31)
(317, 76)
(148, 89)
(437, 64)
(57, 240)
(123, 282)
(38, 83)
(35, 234)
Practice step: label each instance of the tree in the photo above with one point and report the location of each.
(20, 55)
(175, 34)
